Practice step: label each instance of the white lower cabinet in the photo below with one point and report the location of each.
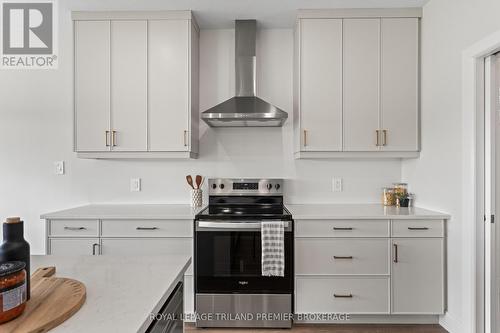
(125, 237)
(418, 276)
(353, 295)
(367, 267)
(150, 246)
(342, 256)
(74, 246)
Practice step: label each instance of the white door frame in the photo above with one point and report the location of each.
(490, 190)
(473, 101)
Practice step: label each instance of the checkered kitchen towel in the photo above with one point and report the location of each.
(273, 248)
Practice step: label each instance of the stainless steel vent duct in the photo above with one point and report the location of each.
(245, 109)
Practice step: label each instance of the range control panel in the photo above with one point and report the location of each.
(236, 186)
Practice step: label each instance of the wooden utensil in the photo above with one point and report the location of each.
(189, 179)
(53, 300)
(198, 181)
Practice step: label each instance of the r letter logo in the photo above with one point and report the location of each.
(28, 34)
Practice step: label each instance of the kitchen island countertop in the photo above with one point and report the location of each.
(361, 211)
(122, 291)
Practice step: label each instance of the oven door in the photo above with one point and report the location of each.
(228, 259)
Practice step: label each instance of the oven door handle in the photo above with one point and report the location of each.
(232, 225)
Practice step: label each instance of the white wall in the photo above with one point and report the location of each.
(448, 28)
(36, 116)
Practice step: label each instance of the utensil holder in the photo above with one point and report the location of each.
(196, 198)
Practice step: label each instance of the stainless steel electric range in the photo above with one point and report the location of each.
(229, 287)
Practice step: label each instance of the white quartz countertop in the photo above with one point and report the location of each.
(299, 211)
(360, 211)
(122, 291)
(125, 211)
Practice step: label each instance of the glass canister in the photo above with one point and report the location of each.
(400, 189)
(388, 196)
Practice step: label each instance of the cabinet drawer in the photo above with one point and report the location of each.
(342, 256)
(155, 246)
(74, 228)
(417, 228)
(342, 295)
(342, 228)
(147, 228)
(72, 246)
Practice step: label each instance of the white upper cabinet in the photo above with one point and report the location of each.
(136, 78)
(321, 85)
(129, 104)
(92, 82)
(356, 89)
(361, 84)
(399, 84)
(168, 82)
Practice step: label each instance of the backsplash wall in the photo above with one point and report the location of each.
(37, 130)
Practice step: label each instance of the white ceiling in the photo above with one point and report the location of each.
(216, 14)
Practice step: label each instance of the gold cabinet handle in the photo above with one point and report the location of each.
(305, 138)
(384, 143)
(377, 138)
(107, 138)
(113, 139)
(185, 138)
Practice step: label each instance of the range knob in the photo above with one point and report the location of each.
(277, 187)
(269, 186)
(221, 186)
(214, 186)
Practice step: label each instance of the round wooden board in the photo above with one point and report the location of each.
(53, 300)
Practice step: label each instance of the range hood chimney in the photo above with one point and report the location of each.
(245, 109)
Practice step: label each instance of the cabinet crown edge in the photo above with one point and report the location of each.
(360, 13)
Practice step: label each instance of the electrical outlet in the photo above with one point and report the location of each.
(59, 168)
(135, 184)
(337, 184)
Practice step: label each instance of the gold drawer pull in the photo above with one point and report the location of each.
(342, 296)
(342, 257)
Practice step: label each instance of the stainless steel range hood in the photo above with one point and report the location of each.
(245, 109)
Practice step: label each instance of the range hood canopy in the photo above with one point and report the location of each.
(245, 109)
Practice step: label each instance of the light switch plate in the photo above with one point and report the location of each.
(135, 184)
(337, 184)
(59, 168)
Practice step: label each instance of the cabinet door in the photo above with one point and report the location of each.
(361, 84)
(321, 84)
(151, 246)
(92, 78)
(72, 246)
(417, 276)
(129, 85)
(168, 85)
(399, 90)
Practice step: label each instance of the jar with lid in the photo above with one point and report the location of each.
(388, 196)
(12, 290)
(400, 189)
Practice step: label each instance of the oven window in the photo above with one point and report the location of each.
(226, 254)
(231, 261)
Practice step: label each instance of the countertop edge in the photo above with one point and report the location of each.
(166, 295)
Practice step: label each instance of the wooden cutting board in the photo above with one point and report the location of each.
(53, 300)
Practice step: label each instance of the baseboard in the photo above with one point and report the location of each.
(451, 324)
(380, 319)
